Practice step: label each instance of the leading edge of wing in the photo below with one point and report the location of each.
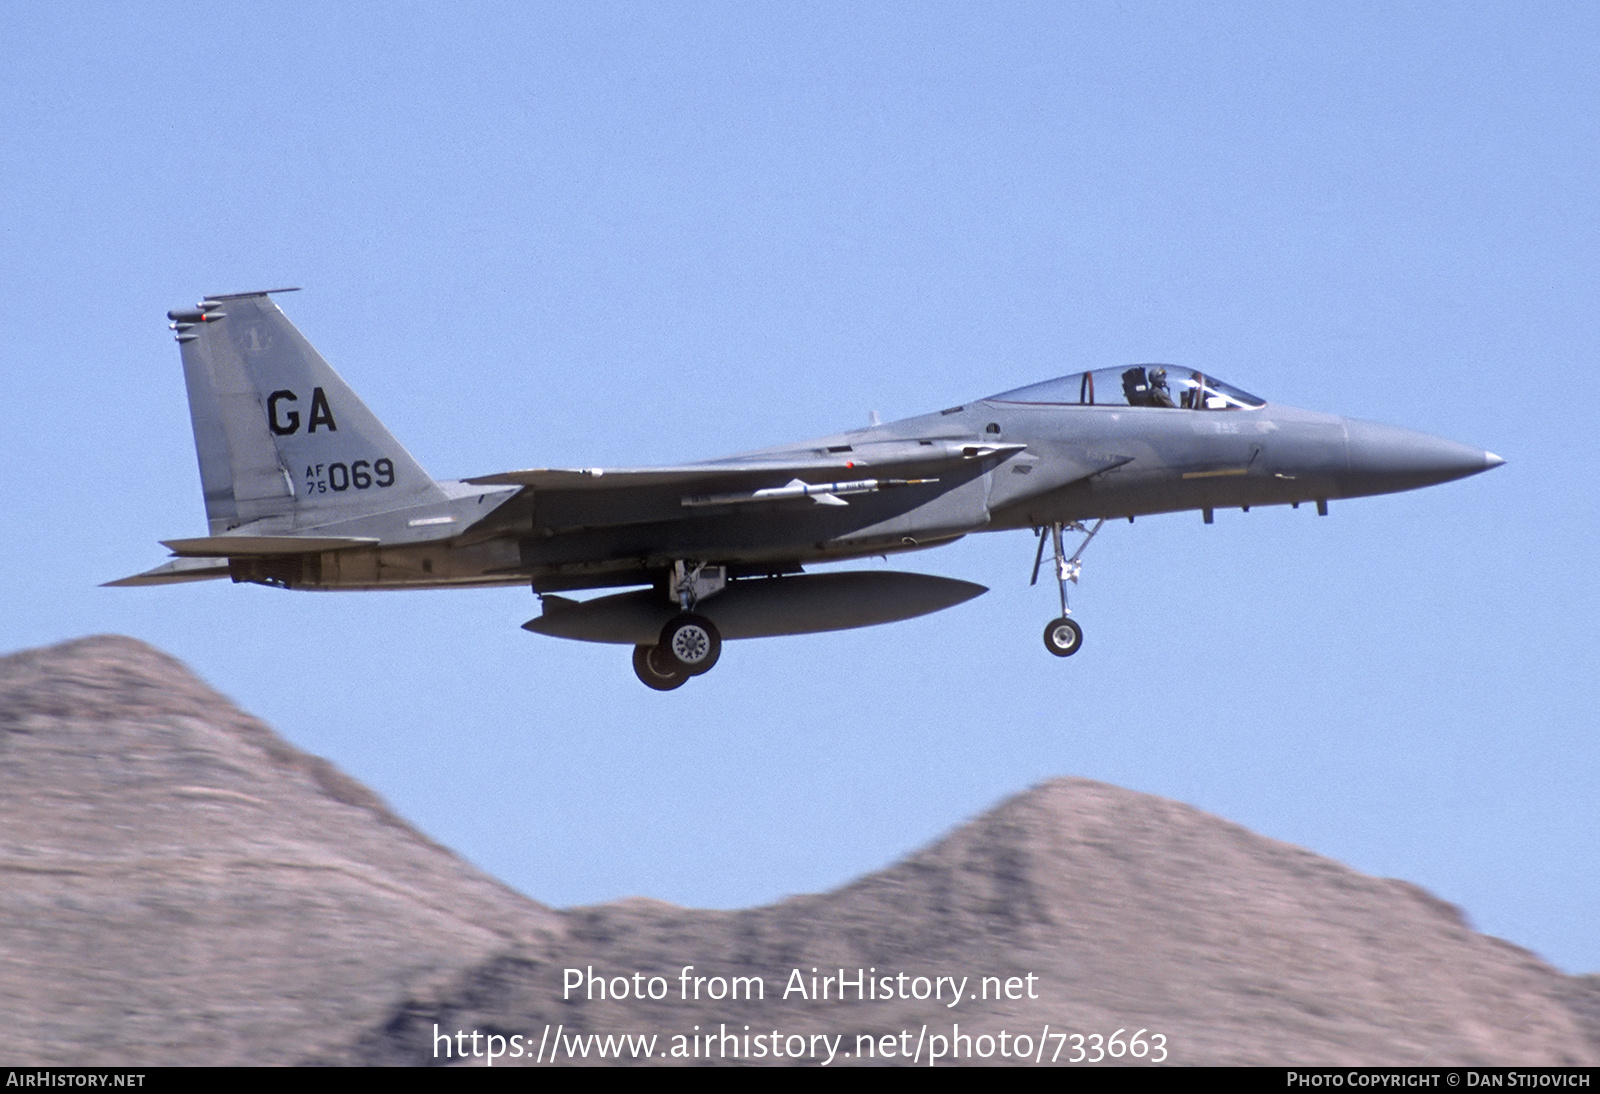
(921, 454)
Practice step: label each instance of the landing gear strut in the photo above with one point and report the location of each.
(1063, 637)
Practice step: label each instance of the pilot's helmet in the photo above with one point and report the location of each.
(1158, 377)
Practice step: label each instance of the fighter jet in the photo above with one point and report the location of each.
(305, 489)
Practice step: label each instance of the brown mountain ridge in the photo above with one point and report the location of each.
(179, 885)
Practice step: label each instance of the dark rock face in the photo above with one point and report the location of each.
(178, 885)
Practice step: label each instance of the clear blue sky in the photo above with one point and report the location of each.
(621, 234)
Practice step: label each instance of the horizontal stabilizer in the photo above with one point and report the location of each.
(230, 546)
(760, 608)
(175, 571)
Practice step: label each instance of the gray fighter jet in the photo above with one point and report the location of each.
(305, 489)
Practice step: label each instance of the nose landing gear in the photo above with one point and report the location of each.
(1063, 637)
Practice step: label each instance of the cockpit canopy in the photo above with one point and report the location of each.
(1136, 385)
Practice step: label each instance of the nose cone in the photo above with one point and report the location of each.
(1385, 458)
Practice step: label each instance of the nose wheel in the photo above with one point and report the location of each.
(1063, 637)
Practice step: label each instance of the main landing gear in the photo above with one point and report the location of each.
(689, 644)
(651, 666)
(1063, 637)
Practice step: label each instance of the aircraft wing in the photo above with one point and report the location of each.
(569, 498)
(848, 461)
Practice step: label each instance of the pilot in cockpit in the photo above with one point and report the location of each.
(1143, 388)
(1159, 395)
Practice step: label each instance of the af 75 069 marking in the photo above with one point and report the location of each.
(719, 548)
(320, 478)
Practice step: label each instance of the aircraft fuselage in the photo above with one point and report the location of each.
(1175, 460)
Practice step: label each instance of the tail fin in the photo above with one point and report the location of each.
(278, 433)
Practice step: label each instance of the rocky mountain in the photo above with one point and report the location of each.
(178, 885)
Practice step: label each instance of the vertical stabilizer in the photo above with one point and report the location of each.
(280, 436)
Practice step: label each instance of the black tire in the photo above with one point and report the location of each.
(1063, 637)
(691, 642)
(645, 662)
